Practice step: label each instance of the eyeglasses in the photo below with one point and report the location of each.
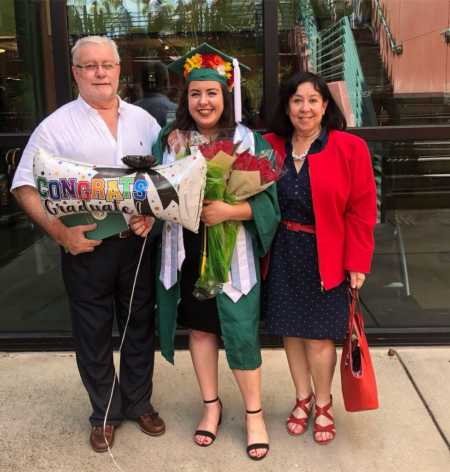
(108, 66)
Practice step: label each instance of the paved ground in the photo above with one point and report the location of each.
(44, 410)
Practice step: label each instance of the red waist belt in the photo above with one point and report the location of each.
(294, 226)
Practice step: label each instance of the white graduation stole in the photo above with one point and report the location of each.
(242, 276)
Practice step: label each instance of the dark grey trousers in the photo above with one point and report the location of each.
(99, 286)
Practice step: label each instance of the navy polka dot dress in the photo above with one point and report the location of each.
(295, 304)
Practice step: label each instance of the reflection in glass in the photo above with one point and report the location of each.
(410, 279)
(154, 83)
(20, 94)
(386, 60)
(152, 34)
(318, 37)
(32, 297)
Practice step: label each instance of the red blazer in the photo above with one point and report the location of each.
(344, 201)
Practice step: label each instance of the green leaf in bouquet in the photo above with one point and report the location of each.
(215, 182)
(219, 242)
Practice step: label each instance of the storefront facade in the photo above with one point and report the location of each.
(388, 62)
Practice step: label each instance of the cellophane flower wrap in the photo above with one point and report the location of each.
(231, 177)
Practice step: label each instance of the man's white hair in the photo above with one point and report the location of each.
(100, 40)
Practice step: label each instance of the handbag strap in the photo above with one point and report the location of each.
(355, 327)
(355, 319)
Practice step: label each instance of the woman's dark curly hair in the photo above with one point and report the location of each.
(332, 119)
(184, 120)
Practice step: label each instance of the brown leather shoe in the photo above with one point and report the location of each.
(97, 438)
(152, 424)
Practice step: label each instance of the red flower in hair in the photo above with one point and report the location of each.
(212, 61)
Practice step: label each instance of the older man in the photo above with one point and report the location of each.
(99, 128)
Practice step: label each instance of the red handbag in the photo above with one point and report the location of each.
(359, 386)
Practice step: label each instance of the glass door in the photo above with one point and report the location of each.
(152, 34)
(31, 295)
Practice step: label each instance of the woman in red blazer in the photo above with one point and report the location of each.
(325, 241)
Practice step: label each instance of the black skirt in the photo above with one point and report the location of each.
(194, 314)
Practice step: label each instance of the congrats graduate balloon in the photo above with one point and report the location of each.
(171, 192)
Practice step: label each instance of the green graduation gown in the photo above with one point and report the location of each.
(239, 321)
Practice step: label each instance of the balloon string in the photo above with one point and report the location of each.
(120, 350)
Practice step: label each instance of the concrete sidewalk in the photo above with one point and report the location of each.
(44, 426)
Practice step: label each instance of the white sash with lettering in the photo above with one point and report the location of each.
(242, 274)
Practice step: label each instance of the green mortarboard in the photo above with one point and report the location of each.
(207, 63)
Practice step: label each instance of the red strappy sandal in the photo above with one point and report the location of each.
(303, 422)
(329, 428)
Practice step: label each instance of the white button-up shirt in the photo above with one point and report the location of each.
(76, 131)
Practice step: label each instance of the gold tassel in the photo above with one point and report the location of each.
(205, 250)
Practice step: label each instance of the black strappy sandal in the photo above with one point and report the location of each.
(253, 447)
(209, 434)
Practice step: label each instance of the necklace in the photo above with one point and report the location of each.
(301, 157)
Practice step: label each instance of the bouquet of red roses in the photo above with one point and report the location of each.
(231, 177)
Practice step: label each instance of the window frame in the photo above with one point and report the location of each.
(60, 42)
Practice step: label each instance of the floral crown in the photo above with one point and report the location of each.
(210, 61)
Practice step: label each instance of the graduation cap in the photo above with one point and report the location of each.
(207, 63)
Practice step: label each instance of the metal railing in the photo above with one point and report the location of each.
(395, 48)
(354, 77)
(308, 20)
(333, 55)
